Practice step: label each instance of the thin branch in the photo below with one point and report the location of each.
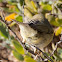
(48, 58)
(56, 45)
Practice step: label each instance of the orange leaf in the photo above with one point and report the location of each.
(11, 16)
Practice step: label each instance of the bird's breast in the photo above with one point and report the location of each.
(41, 41)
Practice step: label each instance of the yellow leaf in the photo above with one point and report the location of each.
(58, 31)
(33, 4)
(59, 21)
(11, 16)
(29, 59)
(28, 3)
(27, 13)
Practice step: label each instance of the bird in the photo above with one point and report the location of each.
(37, 31)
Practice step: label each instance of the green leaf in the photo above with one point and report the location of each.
(21, 2)
(3, 31)
(0, 0)
(19, 18)
(53, 20)
(47, 7)
(60, 52)
(29, 59)
(58, 56)
(16, 9)
(17, 55)
(59, 21)
(18, 47)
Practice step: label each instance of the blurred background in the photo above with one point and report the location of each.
(10, 48)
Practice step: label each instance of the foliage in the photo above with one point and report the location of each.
(52, 11)
(18, 47)
(3, 31)
(17, 55)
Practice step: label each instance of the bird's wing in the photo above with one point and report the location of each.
(42, 27)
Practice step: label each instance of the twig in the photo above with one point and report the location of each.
(48, 58)
(56, 45)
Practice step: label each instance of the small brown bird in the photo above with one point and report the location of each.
(37, 31)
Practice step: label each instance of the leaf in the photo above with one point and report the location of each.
(27, 13)
(0, 0)
(28, 3)
(60, 52)
(58, 31)
(50, 17)
(3, 31)
(16, 9)
(17, 55)
(21, 2)
(11, 16)
(59, 21)
(58, 55)
(29, 59)
(34, 6)
(53, 20)
(18, 47)
(47, 7)
(19, 18)
(59, 14)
